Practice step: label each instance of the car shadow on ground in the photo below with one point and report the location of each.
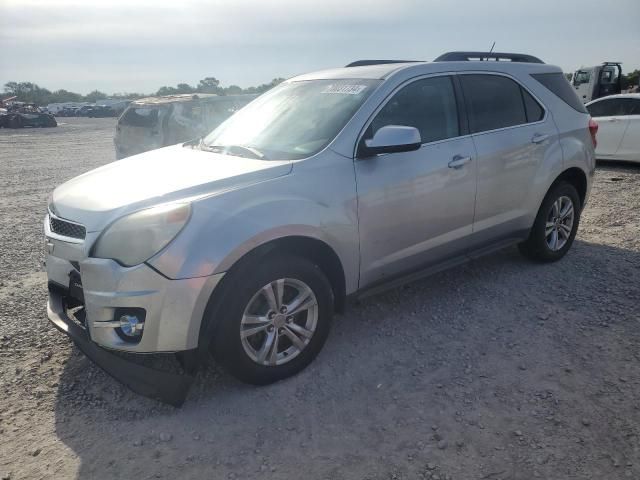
(433, 377)
(627, 167)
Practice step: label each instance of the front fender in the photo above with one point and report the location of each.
(305, 203)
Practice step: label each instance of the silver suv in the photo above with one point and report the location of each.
(334, 183)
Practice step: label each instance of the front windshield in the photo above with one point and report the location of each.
(294, 120)
(581, 76)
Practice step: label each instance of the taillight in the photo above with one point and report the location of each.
(593, 130)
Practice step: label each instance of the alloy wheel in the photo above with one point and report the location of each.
(559, 223)
(279, 322)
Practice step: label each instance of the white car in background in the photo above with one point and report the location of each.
(618, 117)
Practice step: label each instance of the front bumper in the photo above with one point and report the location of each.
(174, 308)
(168, 387)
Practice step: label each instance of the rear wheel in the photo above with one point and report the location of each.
(555, 226)
(273, 319)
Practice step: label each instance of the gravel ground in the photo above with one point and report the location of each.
(499, 369)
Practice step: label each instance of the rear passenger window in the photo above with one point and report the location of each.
(607, 108)
(494, 102)
(428, 105)
(532, 107)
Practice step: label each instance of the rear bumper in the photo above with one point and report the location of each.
(167, 387)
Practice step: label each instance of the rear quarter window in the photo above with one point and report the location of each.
(534, 111)
(140, 117)
(561, 88)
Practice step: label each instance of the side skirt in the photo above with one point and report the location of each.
(421, 273)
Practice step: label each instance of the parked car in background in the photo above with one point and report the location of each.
(334, 183)
(599, 81)
(618, 117)
(21, 115)
(67, 112)
(155, 122)
(101, 111)
(84, 110)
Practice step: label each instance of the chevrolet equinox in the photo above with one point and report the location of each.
(245, 242)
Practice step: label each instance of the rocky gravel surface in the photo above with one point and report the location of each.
(499, 369)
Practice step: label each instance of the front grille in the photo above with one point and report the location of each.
(67, 229)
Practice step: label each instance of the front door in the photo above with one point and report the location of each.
(416, 208)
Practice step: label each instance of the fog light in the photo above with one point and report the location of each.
(131, 325)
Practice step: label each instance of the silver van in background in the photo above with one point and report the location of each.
(156, 122)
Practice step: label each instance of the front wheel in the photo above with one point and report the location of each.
(273, 320)
(555, 226)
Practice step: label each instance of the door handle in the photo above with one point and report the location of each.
(459, 161)
(537, 138)
(613, 119)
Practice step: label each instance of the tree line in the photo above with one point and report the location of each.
(30, 92)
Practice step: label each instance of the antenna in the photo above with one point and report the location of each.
(491, 51)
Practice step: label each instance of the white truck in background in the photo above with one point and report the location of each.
(599, 81)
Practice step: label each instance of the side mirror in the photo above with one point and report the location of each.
(391, 139)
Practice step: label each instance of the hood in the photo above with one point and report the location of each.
(99, 196)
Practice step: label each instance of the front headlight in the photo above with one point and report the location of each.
(136, 238)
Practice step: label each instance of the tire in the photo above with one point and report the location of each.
(16, 122)
(244, 301)
(540, 244)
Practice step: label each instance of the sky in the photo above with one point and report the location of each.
(141, 45)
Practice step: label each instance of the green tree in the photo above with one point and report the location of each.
(631, 79)
(184, 88)
(209, 85)
(95, 96)
(232, 90)
(265, 86)
(166, 91)
(178, 89)
(62, 96)
(27, 92)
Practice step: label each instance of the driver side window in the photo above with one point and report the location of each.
(428, 105)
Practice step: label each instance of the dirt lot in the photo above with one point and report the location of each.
(500, 369)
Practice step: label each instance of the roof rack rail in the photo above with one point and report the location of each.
(362, 63)
(487, 56)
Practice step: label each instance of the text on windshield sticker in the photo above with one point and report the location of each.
(344, 89)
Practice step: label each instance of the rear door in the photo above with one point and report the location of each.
(515, 138)
(629, 148)
(612, 123)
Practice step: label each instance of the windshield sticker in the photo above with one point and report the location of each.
(344, 89)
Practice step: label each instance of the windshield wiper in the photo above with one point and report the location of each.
(196, 142)
(234, 150)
